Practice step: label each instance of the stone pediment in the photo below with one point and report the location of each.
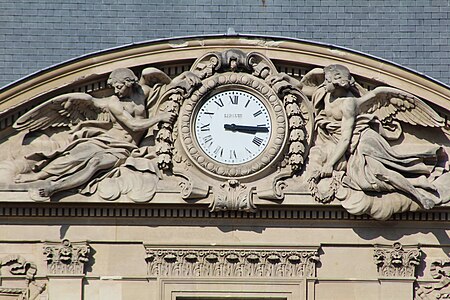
(234, 123)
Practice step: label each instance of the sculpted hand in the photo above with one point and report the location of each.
(327, 171)
(167, 117)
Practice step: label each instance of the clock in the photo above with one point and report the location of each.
(233, 126)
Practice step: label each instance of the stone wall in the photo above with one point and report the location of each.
(36, 34)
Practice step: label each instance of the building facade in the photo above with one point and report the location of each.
(225, 167)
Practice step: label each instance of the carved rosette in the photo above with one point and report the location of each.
(231, 262)
(66, 257)
(439, 269)
(17, 265)
(397, 262)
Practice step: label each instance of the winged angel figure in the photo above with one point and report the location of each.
(104, 132)
(353, 128)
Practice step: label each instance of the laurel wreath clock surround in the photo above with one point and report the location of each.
(233, 149)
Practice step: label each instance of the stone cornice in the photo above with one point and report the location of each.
(137, 211)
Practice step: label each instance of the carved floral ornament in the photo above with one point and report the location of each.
(214, 262)
(66, 257)
(396, 261)
(233, 130)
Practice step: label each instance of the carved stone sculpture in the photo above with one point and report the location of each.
(66, 257)
(208, 262)
(352, 159)
(106, 136)
(397, 262)
(156, 134)
(439, 269)
(18, 265)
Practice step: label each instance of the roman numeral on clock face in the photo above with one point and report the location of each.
(205, 127)
(234, 99)
(219, 102)
(257, 113)
(207, 138)
(257, 141)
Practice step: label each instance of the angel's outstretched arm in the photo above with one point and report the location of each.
(347, 125)
(135, 124)
(68, 99)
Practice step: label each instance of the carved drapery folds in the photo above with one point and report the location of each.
(66, 257)
(396, 261)
(216, 262)
(440, 270)
(17, 265)
(352, 159)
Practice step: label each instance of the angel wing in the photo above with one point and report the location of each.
(152, 76)
(390, 103)
(312, 80)
(63, 110)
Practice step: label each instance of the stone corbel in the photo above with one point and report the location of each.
(232, 195)
(66, 258)
(395, 261)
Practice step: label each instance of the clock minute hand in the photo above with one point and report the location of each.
(245, 128)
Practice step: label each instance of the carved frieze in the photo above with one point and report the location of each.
(66, 257)
(234, 132)
(226, 262)
(17, 265)
(396, 261)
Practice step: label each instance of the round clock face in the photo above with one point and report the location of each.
(232, 127)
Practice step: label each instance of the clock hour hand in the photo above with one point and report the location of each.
(245, 128)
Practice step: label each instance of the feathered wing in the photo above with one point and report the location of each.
(312, 80)
(152, 76)
(393, 104)
(64, 110)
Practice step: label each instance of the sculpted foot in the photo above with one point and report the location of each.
(40, 194)
(427, 203)
(427, 200)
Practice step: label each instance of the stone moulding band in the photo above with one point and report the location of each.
(236, 262)
(137, 211)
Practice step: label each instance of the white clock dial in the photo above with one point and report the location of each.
(232, 127)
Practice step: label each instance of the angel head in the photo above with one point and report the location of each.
(338, 77)
(122, 80)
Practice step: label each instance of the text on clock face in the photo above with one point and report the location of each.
(232, 127)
